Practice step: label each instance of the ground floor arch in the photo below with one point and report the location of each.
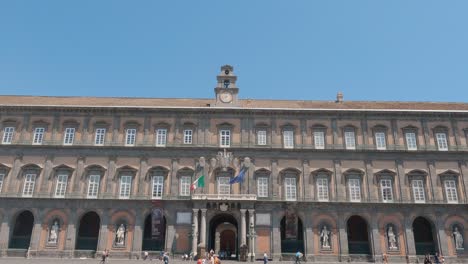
(358, 236)
(88, 232)
(292, 234)
(149, 242)
(22, 231)
(223, 236)
(423, 236)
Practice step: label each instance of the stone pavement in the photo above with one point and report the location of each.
(133, 261)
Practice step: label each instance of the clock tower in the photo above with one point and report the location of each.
(226, 90)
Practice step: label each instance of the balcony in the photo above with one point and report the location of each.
(230, 197)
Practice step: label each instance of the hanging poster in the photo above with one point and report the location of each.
(290, 225)
(157, 223)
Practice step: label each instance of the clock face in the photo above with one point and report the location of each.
(225, 97)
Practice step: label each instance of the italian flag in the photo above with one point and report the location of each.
(200, 182)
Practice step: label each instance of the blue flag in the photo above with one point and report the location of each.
(239, 177)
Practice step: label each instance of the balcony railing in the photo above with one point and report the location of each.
(237, 197)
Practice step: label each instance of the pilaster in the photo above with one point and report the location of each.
(402, 187)
(463, 180)
(309, 240)
(372, 188)
(343, 238)
(375, 239)
(456, 135)
(4, 232)
(410, 245)
(304, 192)
(275, 178)
(71, 232)
(243, 227)
(276, 234)
(436, 189)
(365, 138)
(441, 235)
(339, 181)
(138, 234)
(103, 231)
(334, 127)
(173, 177)
(36, 232)
(395, 134)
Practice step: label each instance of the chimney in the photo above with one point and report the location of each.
(339, 97)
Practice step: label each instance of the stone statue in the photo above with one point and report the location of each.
(392, 242)
(120, 235)
(325, 237)
(458, 238)
(53, 233)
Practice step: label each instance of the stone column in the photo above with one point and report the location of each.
(401, 180)
(138, 234)
(85, 134)
(70, 236)
(252, 238)
(274, 178)
(456, 135)
(339, 182)
(426, 134)
(305, 190)
(441, 236)
(243, 228)
(303, 133)
(375, 240)
(173, 178)
(203, 228)
(194, 230)
(372, 187)
(309, 241)
(103, 231)
(395, 134)
(463, 180)
(435, 189)
(276, 233)
(343, 238)
(36, 232)
(335, 132)
(217, 242)
(365, 138)
(4, 233)
(410, 246)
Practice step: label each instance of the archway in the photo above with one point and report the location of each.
(149, 243)
(223, 236)
(423, 236)
(292, 234)
(22, 231)
(88, 232)
(358, 236)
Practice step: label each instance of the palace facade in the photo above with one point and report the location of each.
(337, 180)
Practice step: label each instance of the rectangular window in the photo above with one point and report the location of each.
(451, 191)
(322, 189)
(2, 177)
(185, 186)
(8, 135)
(350, 140)
(354, 190)
(100, 137)
(386, 190)
(380, 142)
(261, 137)
(29, 182)
(442, 141)
(319, 140)
(290, 189)
(38, 135)
(93, 186)
(188, 136)
(61, 187)
(288, 139)
(125, 186)
(411, 141)
(161, 137)
(262, 187)
(224, 187)
(225, 138)
(130, 137)
(158, 187)
(69, 136)
(418, 191)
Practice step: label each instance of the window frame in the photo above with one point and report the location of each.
(184, 185)
(261, 137)
(347, 137)
(93, 185)
(161, 137)
(130, 138)
(384, 188)
(69, 136)
(8, 136)
(290, 188)
(100, 135)
(29, 184)
(225, 139)
(60, 185)
(352, 186)
(188, 137)
(263, 187)
(2, 180)
(417, 191)
(408, 147)
(319, 144)
(38, 135)
(157, 187)
(125, 187)
(320, 187)
(222, 184)
(380, 138)
(288, 138)
(441, 145)
(451, 198)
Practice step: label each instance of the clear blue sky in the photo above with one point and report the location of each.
(370, 50)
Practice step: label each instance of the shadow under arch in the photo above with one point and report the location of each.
(229, 236)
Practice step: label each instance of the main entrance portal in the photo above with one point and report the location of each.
(224, 237)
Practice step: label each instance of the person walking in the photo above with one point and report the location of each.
(165, 258)
(298, 257)
(265, 258)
